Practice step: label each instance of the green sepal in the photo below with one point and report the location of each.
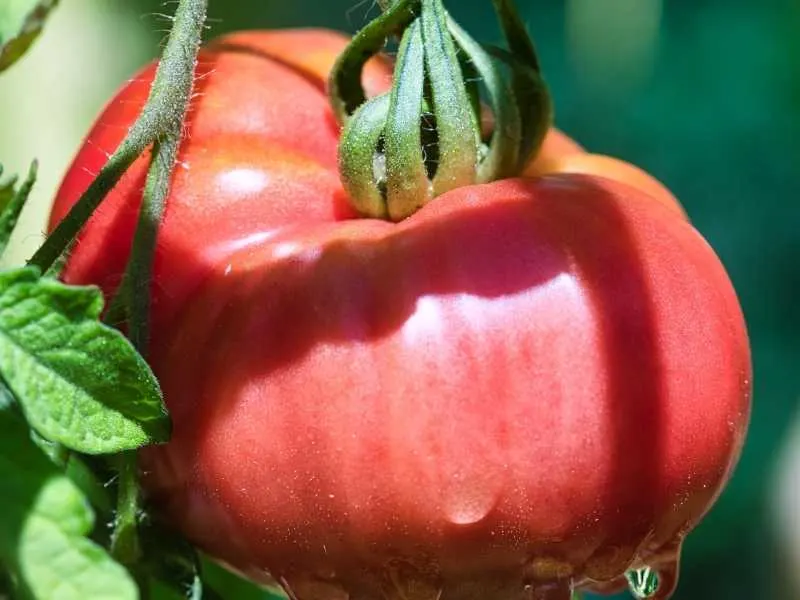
(345, 90)
(358, 155)
(407, 184)
(530, 91)
(457, 125)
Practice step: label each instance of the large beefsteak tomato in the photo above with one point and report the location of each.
(527, 386)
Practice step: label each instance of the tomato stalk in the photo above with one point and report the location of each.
(164, 112)
(424, 137)
(159, 125)
(173, 84)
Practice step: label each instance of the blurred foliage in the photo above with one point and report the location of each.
(705, 94)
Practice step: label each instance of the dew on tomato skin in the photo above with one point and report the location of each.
(469, 497)
(469, 510)
(654, 583)
(643, 583)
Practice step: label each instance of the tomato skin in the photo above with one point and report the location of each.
(260, 153)
(218, 201)
(605, 166)
(532, 381)
(552, 368)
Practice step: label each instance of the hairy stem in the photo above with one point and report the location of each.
(140, 268)
(124, 540)
(164, 111)
(161, 123)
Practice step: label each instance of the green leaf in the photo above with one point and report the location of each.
(21, 22)
(12, 201)
(79, 382)
(43, 525)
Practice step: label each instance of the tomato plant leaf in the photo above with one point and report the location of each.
(43, 525)
(21, 21)
(79, 382)
(12, 201)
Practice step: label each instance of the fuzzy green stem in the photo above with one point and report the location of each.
(161, 122)
(140, 268)
(163, 112)
(125, 539)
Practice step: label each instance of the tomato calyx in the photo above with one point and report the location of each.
(425, 137)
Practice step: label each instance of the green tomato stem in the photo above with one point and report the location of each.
(160, 124)
(164, 112)
(62, 237)
(139, 273)
(125, 546)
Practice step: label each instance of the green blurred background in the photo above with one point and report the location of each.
(705, 94)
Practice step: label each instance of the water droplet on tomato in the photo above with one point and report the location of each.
(469, 499)
(656, 584)
(468, 510)
(643, 583)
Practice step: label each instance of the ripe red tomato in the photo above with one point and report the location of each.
(541, 379)
(536, 382)
(260, 153)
